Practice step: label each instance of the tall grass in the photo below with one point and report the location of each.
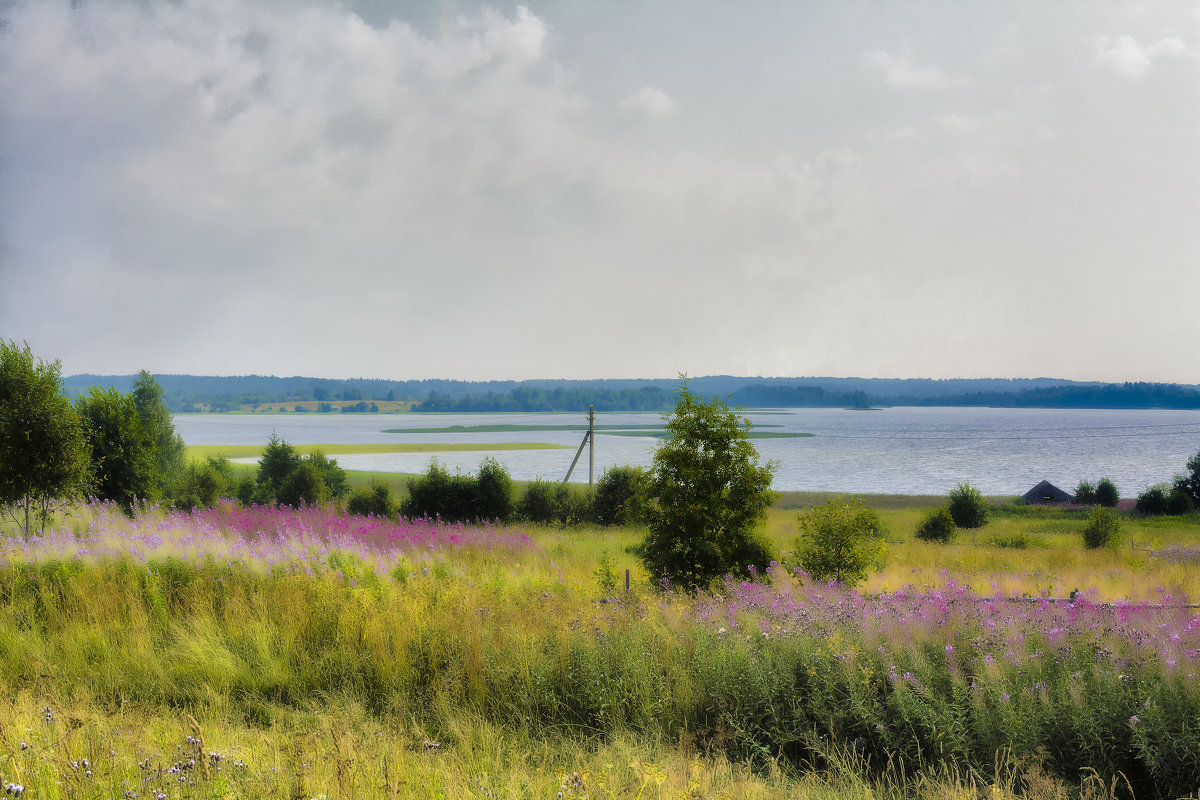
(255, 619)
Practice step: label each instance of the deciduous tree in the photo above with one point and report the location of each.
(43, 458)
(708, 495)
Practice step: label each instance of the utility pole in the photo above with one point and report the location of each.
(589, 438)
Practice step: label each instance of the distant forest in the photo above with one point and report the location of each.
(192, 393)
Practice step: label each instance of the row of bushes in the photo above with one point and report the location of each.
(489, 495)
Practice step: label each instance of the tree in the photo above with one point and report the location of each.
(938, 526)
(1189, 483)
(278, 460)
(43, 458)
(967, 506)
(1103, 529)
(1085, 494)
(707, 494)
(156, 419)
(333, 475)
(494, 491)
(304, 485)
(123, 456)
(840, 540)
(1107, 494)
(374, 500)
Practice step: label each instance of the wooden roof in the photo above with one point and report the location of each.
(1046, 492)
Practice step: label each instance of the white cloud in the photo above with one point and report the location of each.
(1128, 57)
(903, 72)
(648, 103)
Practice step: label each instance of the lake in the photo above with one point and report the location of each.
(892, 450)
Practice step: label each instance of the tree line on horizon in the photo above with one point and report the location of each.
(188, 393)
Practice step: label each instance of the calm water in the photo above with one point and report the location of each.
(894, 450)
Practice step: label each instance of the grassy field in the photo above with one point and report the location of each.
(201, 451)
(300, 654)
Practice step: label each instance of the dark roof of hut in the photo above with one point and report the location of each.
(1046, 492)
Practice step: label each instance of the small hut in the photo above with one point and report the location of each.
(1045, 493)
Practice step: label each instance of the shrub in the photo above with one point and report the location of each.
(1163, 499)
(967, 506)
(493, 492)
(708, 494)
(375, 500)
(278, 460)
(458, 497)
(1103, 528)
(245, 491)
(1189, 483)
(840, 540)
(553, 503)
(200, 486)
(1107, 494)
(437, 493)
(333, 475)
(619, 493)
(304, 484)
(1014, 541)
(1085, 494)
(938, 526)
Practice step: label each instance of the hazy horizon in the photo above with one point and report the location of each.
(499, 191)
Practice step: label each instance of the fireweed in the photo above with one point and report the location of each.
(261, 612)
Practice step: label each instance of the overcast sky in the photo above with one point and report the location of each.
(882, 188)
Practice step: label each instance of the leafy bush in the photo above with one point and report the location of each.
(375, 500)
(1014, 541)
(200, 486)
(1163, 499)
(840, 540)
(304, 484)
(333, 475)
(1085, 494)
(1107, 494)
(967, 506)
(553, 503)
(437, 493)
(493, 492)
(938, 526)
(708, 494)
(458, 497)
(618, 499)
(1103, 528)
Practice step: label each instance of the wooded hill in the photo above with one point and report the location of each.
(190, 393)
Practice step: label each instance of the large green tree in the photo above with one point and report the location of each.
(43, 459)
(708, 495)
(156, 419)
(124, 466)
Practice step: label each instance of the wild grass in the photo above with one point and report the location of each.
(365, 658)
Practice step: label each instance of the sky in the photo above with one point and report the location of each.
(876, 188)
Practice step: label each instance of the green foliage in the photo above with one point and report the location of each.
(125, 468)
(43, 456)
(553, 503)
(200, 486)
(374, 500)
(840, 540)
(967, 506)
(1103, 528)
(156, 419)
(1189, 483)
(333, 475)
(493, 492)
(1085, 494)
(245, 491)
(460, 498)
(1164, 499)
(938, 526)
(1014, 541)
(708, 493)
(606, 576)
(1107, 494)
(304, 485)
(277, 462)
(619, 496)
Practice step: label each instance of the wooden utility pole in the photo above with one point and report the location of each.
(589, 438)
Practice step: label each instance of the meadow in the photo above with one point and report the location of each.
(269, 652)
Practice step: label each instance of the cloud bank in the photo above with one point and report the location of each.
(516, 192)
